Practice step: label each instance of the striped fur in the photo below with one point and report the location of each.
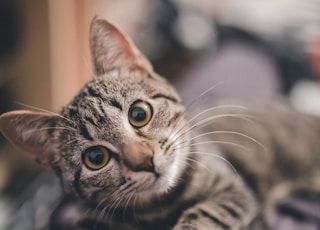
(193, 183)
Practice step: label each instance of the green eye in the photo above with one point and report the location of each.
(96, 157)
(140, 114)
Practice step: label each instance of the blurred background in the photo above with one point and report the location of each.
(248, 49)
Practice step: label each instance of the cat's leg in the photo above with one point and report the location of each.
(231, 209)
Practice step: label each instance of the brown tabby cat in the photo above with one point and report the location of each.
(125, 145)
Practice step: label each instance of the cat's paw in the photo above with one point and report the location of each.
(185, 227)
(193, 227)
(193, 221)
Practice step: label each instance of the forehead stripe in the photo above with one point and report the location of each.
(76, 183)
(85, 133)
(115, 103)
(159, 95)
(92, 91)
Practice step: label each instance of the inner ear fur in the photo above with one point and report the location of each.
(30, 131)
(111, 49)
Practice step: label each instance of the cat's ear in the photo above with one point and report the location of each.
(111, 49)
(29, 131)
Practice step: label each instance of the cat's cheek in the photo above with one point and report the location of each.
(168, 169)
(109, 176)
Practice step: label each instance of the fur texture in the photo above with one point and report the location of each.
(224, 168)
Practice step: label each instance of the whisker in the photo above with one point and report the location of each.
(197, 162)
(214, 142)
(240, 116)
(112, 201)
(227, 132)
(71, 141)
(218, 107)
(117, 205)
(210, 110)
(103, 211)
(98, 206)
(126, 205)
(196, 99)
(134, 207)
(202, 122)
(217, 156)
(112, 207)
(50, 128)
(88, 67)
(99, 218)
(203, 93)
(43, 110)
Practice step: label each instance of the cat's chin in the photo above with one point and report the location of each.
(158, 188)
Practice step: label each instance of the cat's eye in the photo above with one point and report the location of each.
(96, 157)
(140, 114)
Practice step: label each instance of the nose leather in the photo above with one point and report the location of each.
(138, 157)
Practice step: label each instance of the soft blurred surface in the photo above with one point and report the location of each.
(246, 49)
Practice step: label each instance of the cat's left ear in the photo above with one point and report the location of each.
(111, 49)
(29, 131)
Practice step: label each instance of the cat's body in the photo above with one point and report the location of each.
(126, 146)
(281, 159)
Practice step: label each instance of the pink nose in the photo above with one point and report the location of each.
(138, 157)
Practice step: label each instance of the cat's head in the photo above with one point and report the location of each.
(119, 135)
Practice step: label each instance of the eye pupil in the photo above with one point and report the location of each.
(96, 156)
(138, 114)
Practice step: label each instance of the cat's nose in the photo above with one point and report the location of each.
(138, 157)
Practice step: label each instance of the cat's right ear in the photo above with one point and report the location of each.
(111, 49)
(29, 131)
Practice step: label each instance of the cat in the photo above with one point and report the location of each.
(126, 146)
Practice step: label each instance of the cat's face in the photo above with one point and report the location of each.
(118, 138)
(122, 137)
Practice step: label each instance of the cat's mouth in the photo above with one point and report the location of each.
(140, 180)
(147, 185)
(147, 171)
